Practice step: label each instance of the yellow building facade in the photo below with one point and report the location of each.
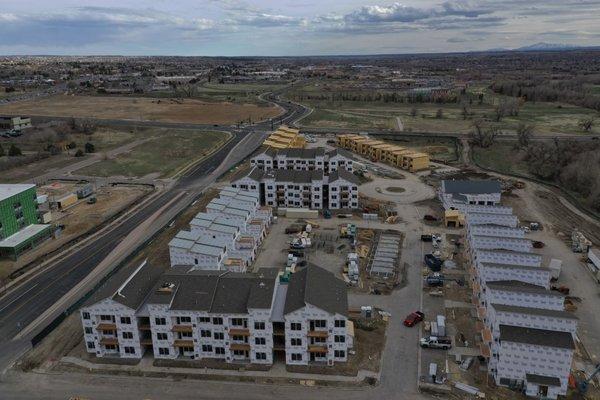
(381, 151)
(285, 137)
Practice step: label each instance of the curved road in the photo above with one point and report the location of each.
(31, 299)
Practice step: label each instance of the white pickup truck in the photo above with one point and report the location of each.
(436, 342)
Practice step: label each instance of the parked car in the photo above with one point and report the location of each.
(414, 318)
(428, 217)
(434, 263)
(426, 238)
(296, 253)
(434, 281)
(436, 342)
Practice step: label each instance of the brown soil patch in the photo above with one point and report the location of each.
(141, 108)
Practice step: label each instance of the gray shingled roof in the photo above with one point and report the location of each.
(133, 292)
(342, 173)
(302, 153)
(536, 337)
(518, 286)
(211, 291)
(286, 175)
(318, 287)
(471, 187)
(534, 311)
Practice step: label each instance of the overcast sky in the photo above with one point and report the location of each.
(286, 27)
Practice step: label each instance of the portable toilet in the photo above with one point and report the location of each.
(441, 325)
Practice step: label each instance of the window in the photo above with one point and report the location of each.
(207, 348)
(129, 350)
(204, 320)
(339, 353)
(217, 321)
(320, 323)
(91, 345)
(205, 333)
(160, 321)
(239, 353)
(126, 320)
(237, 321)
(161, 336)
(296, 326)
(184, 320)
(106, 318)
(296, 357)
(340, 323)
(219, 350)
(163, 351)
(110, 347)
(85, 315)
(185, 335)
(260, 341)
(261, 356)
(239, 338)
(127, 335)
(219, 336)
(296, 342)
(88, 330)
(339, 339)
(259, 326)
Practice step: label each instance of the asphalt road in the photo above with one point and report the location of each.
(28, 301)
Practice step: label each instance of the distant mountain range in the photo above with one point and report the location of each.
(542, 46)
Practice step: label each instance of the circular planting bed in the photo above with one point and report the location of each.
(395, 189)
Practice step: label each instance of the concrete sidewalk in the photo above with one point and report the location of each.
(276, 371)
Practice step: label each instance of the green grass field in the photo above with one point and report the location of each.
(164, 155)
(548, 118)
(501, 157)
(235, 93)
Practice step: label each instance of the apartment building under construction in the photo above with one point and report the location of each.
(380, 151)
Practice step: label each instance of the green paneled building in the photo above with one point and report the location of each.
(19, 222)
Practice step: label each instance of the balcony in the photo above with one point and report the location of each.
(109, 341)
(183, 343)
(318, 334)
(107, 326)
(239, 346)
(486, 334)
(485, 350)
(182, 328)
(239, 332)
(144, 327)
(481, 312)
(146, 342)
(317, 349)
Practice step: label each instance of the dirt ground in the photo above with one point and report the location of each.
(79, 219)
(140, 108)
(369, 341)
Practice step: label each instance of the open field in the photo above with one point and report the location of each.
(163, 155)
(104, 139)
(142, 108)
(501, 157)
(548, 118)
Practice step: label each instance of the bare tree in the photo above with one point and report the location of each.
(413, 112)
(586, 124)
(524, 134)
(483, 136)
(465, 112)
(439, 114)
